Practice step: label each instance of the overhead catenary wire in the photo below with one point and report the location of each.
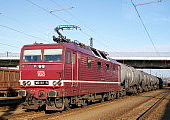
(148, 3)
(61, 9)
(21, 32)
(144, 26)
(8, 45)
(21, 23)
(49, 12)
(55, 15)
(80, 21)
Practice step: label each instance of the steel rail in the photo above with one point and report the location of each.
(150, 109)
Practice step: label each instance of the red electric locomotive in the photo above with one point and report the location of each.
(57, 76)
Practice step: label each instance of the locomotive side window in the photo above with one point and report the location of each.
(89, 62)
(113, 68)
(99, 65)
(52, 55)
(107, 68)
(32, 55)
(68, 57)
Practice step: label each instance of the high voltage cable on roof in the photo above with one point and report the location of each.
(147, 32)
(22, 32)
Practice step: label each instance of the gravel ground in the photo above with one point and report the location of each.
(137, 111)
(162, 112)
(111, 110)
(10, 110)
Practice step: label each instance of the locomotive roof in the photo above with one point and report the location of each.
(66, 45)
(81, 48)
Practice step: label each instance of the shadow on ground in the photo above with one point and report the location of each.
(8, 112)
(166, 115)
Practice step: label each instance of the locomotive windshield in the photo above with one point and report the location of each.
(32, 55)
(52, 55)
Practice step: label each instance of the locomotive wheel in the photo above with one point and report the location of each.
(66, 104)
(140, 90)
(29, 99)
(117, 95)
(103, 99)
(59, 104)
(113, 96)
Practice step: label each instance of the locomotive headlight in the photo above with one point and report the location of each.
(59, 83)
(40, 66)
(24, 82)
(28, 83)
(54, 83)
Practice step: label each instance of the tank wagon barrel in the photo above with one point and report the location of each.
(137, 81)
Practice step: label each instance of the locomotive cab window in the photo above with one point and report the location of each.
(52, 55)
(32, 55)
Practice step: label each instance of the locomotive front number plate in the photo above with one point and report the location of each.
(41, 82)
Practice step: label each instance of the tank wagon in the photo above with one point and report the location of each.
(66, 74)
(135, 81)
(9, 82)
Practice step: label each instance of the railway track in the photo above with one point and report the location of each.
(110, 110)
(152, 108)
(143, 110)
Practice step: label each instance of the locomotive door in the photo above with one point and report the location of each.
(74, 67)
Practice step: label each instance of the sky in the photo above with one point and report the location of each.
(113, 24)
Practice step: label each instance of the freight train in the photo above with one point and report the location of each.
(9, 82)
(65, 74)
